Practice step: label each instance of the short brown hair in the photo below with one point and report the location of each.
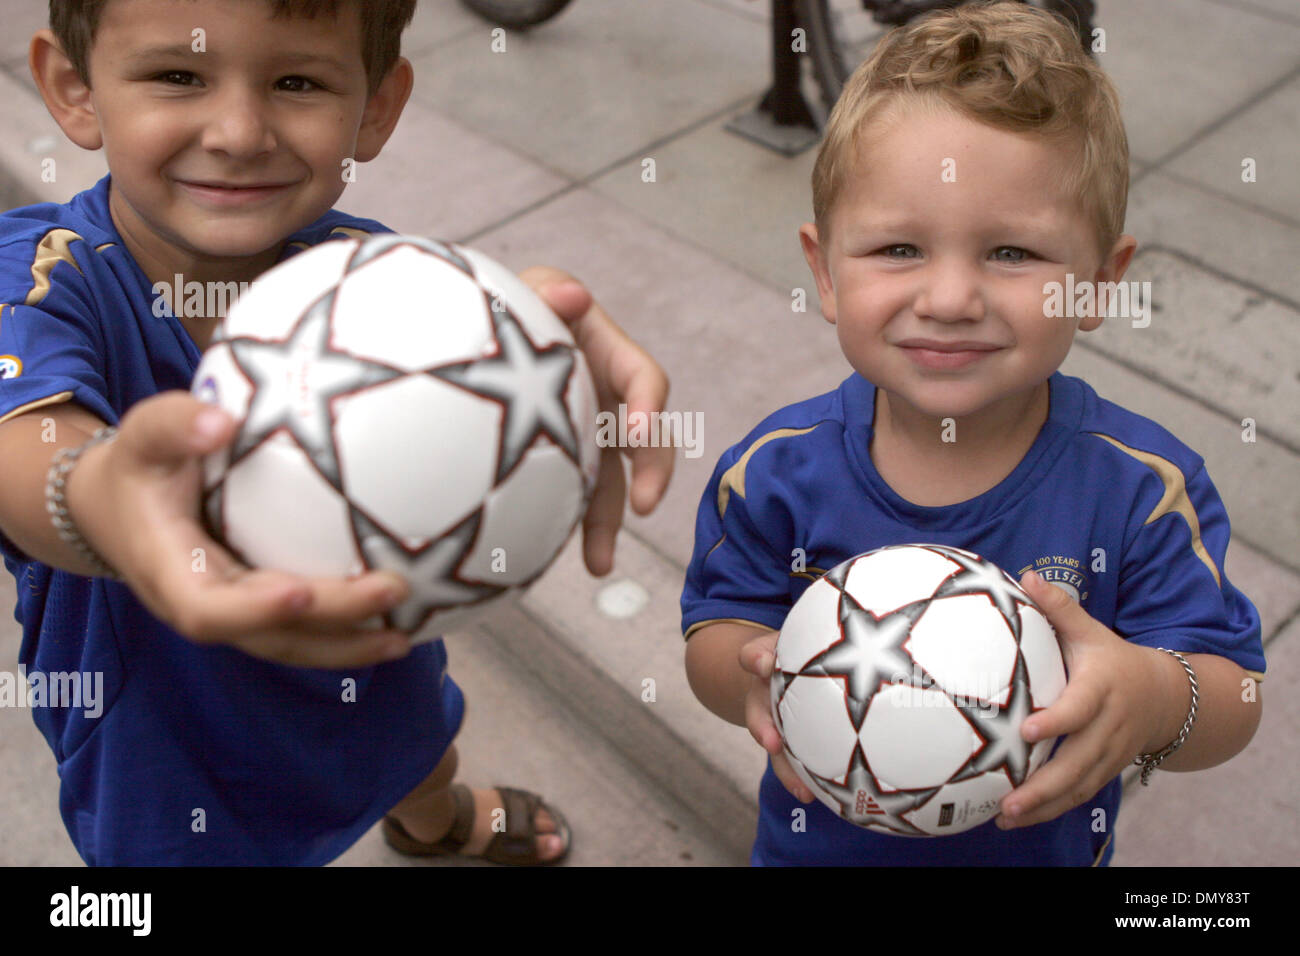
(1007, 65)
(74, 22)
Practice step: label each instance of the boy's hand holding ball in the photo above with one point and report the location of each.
(1116, 705)
(758, 657)
(151, 534)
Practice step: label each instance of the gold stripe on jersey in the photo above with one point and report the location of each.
(723, 620)
(350, 232)
(52, 249)
(40, 402)
(1174, 500)
(811, 573)
(1102, 852)
(716, 546)
(346, 231)
(733, 479)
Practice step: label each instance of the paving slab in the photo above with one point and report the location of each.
(1284, 10)
(642, 653)
(535, 732)
(1264, 133)
(32, 833)
(1271, 587)
(601, 82)
(1252, 248)
(437, 22)
(22, 18)
(695, 197)
(1256, 480)
(1240, 813)
(438, 178)
(37, 162)
(759, 10)
(1176, 78)
(1210, 338)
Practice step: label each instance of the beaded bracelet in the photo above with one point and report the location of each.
(1149, 762)
(56, 503)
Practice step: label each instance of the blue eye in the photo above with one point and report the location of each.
(1018, 254)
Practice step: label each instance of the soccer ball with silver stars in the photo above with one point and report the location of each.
(902, 677)
(404, 404)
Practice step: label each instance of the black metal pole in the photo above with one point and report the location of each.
(785, 99)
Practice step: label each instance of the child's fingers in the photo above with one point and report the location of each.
(567, 296)
(645, 390)
(337, 603)
(652, 469)
(1079, 769)
(297, 622)
(758, 719)
(789, 779)
(758, 656)
(220, 600)
(172, 427)
(624, 374)
(604, 514)
(1065, 614)
(261, 600)
(1077, 706)
(327, 651)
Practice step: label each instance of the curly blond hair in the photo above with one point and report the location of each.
(1007, 65)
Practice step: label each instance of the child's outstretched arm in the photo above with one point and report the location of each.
(135, 500)
(729, 667)
(1122, 700)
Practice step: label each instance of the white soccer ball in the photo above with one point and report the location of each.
(902, 677)
(404, 404)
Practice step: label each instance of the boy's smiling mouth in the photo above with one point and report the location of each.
(946, 356)
(223, 195)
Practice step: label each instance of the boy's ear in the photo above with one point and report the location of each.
(66, 97)
(816, 256)
(384, 109)
(1112, 269)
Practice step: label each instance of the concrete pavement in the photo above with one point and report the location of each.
(537, 154)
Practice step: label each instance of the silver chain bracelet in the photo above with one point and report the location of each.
(56, 502)
(1149, 762)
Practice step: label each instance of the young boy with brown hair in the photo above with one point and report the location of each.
(977, 158)
(224, 736)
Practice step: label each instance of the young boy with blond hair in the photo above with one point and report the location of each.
(224, 736)
(975, 159)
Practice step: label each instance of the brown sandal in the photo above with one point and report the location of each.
(516, 846)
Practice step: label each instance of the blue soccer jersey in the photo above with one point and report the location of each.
(1106, 503)
(191, 754)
